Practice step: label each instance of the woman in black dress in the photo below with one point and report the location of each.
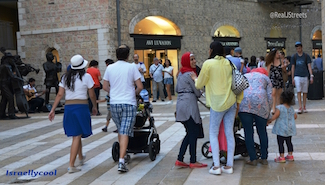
(274, 68)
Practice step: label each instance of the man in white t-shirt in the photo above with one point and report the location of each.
(141, 67)
(120, 79)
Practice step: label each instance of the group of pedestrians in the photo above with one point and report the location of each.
(161, 75)
(260, 104)
(123, 80)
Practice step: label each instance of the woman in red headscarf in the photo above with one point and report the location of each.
(187, 111)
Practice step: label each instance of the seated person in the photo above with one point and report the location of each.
(33, 97)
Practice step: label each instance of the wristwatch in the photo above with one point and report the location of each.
(311, 76)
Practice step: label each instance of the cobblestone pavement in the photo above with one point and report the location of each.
(40, 145)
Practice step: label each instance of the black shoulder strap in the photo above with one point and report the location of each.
(231, 64)
(155, 69)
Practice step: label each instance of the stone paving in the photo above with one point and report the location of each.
(308, 168)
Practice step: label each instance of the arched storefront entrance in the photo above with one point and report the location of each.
(317, 42)
(156, 36)
(227, 35)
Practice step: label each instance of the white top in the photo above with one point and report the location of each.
(144, 69)
(80, 87)
(169, 70)
(121, 76)
(156, 71)
(28, 87)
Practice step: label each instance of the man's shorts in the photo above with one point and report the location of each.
(301, 84)
(124, 116)
(109, 115)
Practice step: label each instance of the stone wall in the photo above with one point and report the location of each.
(66, 43)
(90, 27)
(198, 22)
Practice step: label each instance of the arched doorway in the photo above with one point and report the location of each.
(157, 36)
(317, 43)
(227, 35)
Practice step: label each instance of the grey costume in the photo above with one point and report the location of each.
(186, 105)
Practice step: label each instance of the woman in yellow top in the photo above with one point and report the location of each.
(216, 76)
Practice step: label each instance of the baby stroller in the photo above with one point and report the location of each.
(240, 146)
(145, 138)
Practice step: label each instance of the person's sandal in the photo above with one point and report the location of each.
(198, 165)
(263, 161)
(300, 111)
(253, 163)
(181, 164)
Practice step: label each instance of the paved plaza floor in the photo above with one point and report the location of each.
(40, 145)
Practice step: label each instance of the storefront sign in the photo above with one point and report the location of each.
(317, 44)
(156, 41)
(228, 41)
(275, 43)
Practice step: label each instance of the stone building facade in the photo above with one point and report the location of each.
(90, 27)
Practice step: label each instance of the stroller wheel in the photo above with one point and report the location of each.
(205, 150)
(152, 150)
(116, 151)
(157, 143)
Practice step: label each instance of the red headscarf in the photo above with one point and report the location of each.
(260, 70)
(186, 66)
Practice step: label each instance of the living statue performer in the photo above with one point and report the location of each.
(7, 72)
(51, 79)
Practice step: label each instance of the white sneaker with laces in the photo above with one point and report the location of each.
(122, 167)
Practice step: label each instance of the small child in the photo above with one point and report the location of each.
(284, 126)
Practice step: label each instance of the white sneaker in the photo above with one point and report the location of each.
(170, 102)
(82, 161)
(215, 171)
(73, 169)
(229, 170)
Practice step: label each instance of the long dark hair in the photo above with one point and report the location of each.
(170, 64)
(253, 61)
(217, 49)
(70, 77)
(270, 57)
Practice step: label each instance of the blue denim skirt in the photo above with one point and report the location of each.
(76, 120)
(168, 80)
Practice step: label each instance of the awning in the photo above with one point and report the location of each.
(288, 2)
